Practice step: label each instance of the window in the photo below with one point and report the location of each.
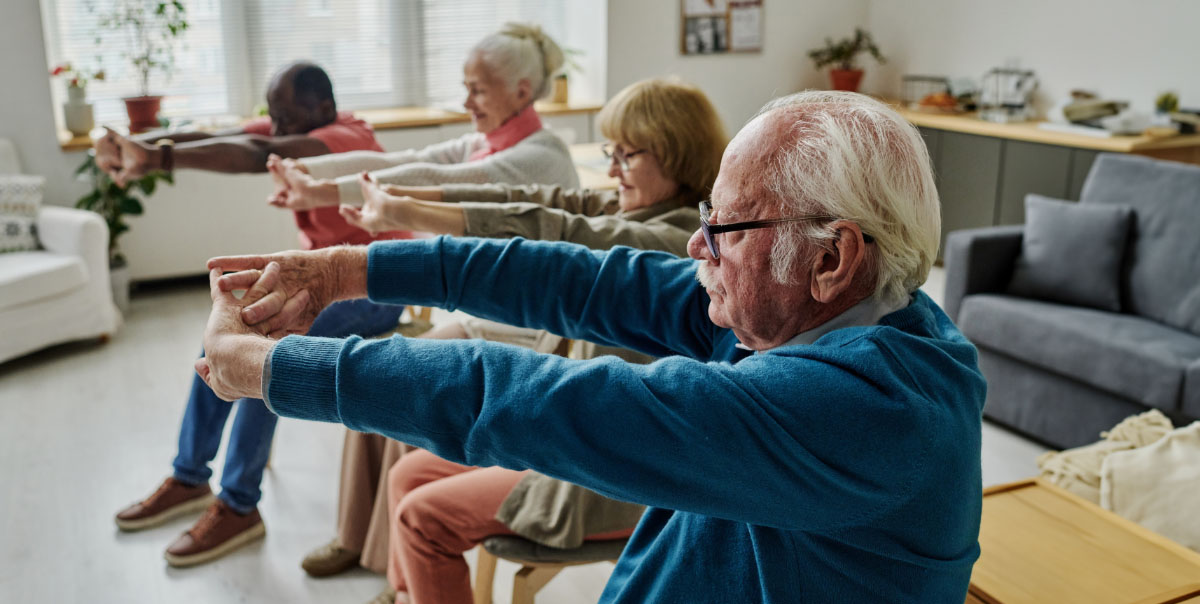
(451, 27)
(379, 53)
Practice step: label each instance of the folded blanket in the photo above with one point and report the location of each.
(1078, 470)
(1158, 486)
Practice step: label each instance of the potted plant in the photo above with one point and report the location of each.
(77, 112)
(152, 28)
(570, 63)
(845, 74)
(113, 202)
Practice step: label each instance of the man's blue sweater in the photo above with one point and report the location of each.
(842, 471)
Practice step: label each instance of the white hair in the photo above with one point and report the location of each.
(521, 52)
(847, 155)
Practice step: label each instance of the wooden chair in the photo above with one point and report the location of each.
(539, 564)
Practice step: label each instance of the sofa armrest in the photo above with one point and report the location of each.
(76, 233)
(978, 261)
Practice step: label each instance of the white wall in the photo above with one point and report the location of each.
(1119, 47)
(643, 42)
(1123, 49)
(26, 112)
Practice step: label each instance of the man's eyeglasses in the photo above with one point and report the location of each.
(622, 156)
(710, 231)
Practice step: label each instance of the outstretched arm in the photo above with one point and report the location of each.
(645, 301)
(732, 442)
(128, 159)
(244, 152)
(352, 162)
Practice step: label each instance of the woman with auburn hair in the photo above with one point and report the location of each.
(665, 149)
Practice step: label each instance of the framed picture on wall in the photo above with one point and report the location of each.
(720, 26)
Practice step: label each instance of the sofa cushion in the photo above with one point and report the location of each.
(20, 197)
(30, 276)
(1126, 355)
(1163, 280)
(1071, 253)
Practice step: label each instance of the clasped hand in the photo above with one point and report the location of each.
(123, 158)
(296, 189)
(380, 212)
(284, 293)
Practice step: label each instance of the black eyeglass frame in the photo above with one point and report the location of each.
(622, 157)
(710, 230)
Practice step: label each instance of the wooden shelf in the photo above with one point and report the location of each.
(409, 117)
(390, 119)
(969, 123)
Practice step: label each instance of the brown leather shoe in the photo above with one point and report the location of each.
(219, 531)
(329, 559)
(172, 500)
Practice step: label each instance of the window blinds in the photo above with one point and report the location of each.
(379, 53)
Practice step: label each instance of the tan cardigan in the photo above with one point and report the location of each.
(540, 508)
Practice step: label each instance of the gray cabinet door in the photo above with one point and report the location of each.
(968, 169)
(933, 142)
(1030, 168)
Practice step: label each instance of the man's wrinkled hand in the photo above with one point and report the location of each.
(290, 288)
(234, 354)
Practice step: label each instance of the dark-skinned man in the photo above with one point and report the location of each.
(303, 121)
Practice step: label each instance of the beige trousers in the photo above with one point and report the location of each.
(362, 522)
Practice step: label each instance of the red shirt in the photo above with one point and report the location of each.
(324, 227)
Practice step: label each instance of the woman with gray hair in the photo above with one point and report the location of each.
(504, 74)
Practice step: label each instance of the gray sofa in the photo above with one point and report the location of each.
(1061, 372)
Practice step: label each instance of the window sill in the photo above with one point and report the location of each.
(389, 119)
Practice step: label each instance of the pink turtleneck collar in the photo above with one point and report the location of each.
(510, 133)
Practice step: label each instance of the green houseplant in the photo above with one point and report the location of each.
(113, 203)
(845, 74)
(152, 28)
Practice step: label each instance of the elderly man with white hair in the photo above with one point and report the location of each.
(812, 434)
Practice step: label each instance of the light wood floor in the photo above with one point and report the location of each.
(87, 428)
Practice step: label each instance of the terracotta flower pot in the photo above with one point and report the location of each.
(143, 112)
(846, 79)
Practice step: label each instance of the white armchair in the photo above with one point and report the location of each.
(59, 293)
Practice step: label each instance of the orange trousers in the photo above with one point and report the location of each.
(438, 511)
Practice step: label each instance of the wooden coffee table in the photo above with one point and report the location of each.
(1041, 544)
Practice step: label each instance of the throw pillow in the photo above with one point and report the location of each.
(1072, 253)
(20, 196)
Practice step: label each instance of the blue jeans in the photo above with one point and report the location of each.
(254, 426)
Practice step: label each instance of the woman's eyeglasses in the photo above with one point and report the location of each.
(711, 230)
(622, 156)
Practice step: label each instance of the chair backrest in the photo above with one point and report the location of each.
(1162, 274)
(9, 162)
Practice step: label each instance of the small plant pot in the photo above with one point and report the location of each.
(845, 79)
(77, 112)
(560, 91)
(143, 112)
(119, 279)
